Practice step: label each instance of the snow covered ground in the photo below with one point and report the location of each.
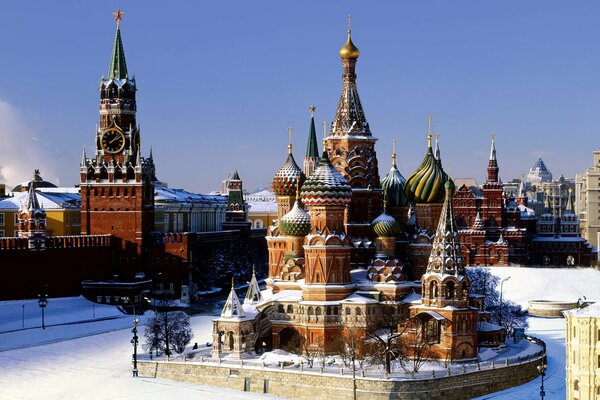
(71, 359)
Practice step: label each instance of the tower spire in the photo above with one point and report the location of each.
(493, 163)
(437, 153)
(349, 117)
(290, 131)
(118, 66)
(311, 158)
(83, 158)
(393, 152)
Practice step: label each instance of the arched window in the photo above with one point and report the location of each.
(348, 311)
(318, 311)
(290, 309)
(450, 290)
(280, 308)
(432, 290)
(576, 384)
(358, 312)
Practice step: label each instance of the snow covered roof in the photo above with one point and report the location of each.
(262, 206)
(485, 326)
(48, 200)
(163, 194)
(358, 299)
(433, 314)
(412, 298)
(592, 311)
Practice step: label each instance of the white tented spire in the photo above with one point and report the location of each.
(233, 307)
(253, 295)
(493, 148)
(83, 158)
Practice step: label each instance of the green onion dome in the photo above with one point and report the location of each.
(286, 179)
(426, 184)
(326, 186)
(296, 222)
(386, 226)
(393, 187)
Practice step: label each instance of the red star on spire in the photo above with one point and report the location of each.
(118, 15)
(312, 109)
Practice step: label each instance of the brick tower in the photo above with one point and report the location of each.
(351, 149)
(117, 184)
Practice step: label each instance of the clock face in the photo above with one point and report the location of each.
(112, 141)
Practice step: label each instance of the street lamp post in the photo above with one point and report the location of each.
(542, 368)
(134, 341)
(43, 302)
(501, 293)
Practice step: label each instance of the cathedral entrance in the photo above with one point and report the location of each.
(289, 340)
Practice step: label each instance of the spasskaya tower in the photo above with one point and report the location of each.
(117, 184)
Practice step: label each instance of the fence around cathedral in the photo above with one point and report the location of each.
(457, 381)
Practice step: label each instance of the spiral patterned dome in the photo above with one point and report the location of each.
(326, 186)
(393, 187)
(426, 184)
(296, 222)
(386, 226)
(286, 179)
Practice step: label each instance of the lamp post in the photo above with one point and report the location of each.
(134, 341)
(542, 368)
(43, 302)
(501, 293)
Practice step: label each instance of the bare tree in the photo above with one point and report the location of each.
(168, 330)
(418, 348)
(384, 334)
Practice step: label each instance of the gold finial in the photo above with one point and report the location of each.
(312, 110)
(253, 270)
(324, 134)
(429, 140)
(493, 136)
(290, 130)
(232, 282)
(349, 50)
(394, 152)
(570, 190)
(118, 16)
(437, 137)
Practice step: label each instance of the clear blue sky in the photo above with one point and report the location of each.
(219, 82)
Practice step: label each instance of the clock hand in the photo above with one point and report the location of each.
(111, 142)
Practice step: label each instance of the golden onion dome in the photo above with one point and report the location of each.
(426, 184)
(349, 51)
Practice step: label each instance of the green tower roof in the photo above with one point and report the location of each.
(118, 66)
(312, 150)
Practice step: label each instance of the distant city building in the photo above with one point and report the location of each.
(539, 173)
(62, 207)
(587, 195)
(583, 353)
(177, 210)
(262, 208)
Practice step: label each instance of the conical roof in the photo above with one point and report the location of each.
(118, 66)
(233, 308)
(312, 149)
(253, 295)
(426, 184)
(326, 186)
(446, 257)
(296, 222)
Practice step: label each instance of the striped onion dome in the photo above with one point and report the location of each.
(426, 184)
(386, 226)
(296, 222)
(393, 187)
(286, 179)
(326, 186)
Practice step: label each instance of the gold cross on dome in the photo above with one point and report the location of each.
(118, 15)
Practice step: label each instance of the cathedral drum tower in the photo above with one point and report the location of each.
(117, 184)
(351, 149)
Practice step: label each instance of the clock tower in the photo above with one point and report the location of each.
(117, 184)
